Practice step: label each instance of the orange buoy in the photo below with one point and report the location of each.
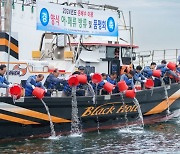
(157, 73)
(108, 87)
(122, 86)
(82, 78)
(171, 66)
(73, 81)
(15, 91)
(96, 78)
(130, 93)
(38, 92)
(149, 83)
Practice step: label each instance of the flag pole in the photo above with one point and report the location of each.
(9, 5)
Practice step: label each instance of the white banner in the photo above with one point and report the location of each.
(73, 20)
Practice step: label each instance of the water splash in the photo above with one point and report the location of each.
(54, 137)
(90, 88)
(125, 116)
(139, 111)
(14, 99)
(75, 120)
(94, 94)
(152, 91)
(53, 134)
(75, 135)
(166, 95)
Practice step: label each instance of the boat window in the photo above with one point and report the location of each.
(110, 52)
(126, 52)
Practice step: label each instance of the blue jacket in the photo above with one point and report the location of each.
(52, 81)
(3, 82)
(99, 86)
(178, 59)
(68, 90)
(178, 69)
(128, 81)
(138, 77)
(32, 81)
(111, 81)
(147, 72)
(164, 69)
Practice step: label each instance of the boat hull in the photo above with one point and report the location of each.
(27, 117)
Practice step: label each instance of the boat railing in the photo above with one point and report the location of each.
(144, 58)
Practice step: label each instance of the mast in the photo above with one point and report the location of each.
(0, 17)
(7, 15)
(130, 33)
(7, 28)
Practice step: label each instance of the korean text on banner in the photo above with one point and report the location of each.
(72, 20)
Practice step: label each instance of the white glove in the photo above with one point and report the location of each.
(91, 74)
(135, 90)
(105, 81)
(33, 86)
(10, 85)
(45, 90)
(144, 81)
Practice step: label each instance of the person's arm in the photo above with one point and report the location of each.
(137, 77)
(132, 84)
(39, 84)
(122, 77)
(160, 66)
(146, 69)
(173, 74)
(142, 77)
(29, 82)
(6, 81)
(2, 83)
(56, 80)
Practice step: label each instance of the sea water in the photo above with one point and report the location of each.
(156, 138)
